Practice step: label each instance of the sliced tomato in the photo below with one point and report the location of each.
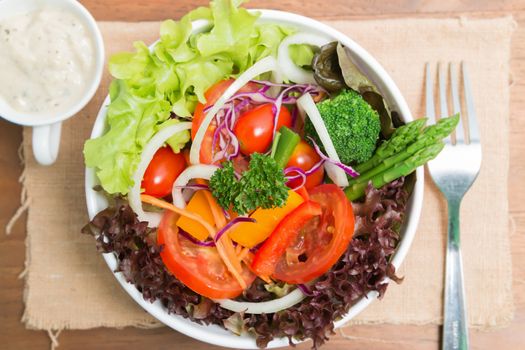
(212, 95)
(199, 268)
(254, 128)
(282, 237)
(305, 157)
(321, 241)
(162, 172)
(303, 193)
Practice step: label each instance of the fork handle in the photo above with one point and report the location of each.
(455, 332)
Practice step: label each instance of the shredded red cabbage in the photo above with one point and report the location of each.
(300, 174)
(305, 290)
(231, 223)
(347, 168)
(294, 169)
(228, 142)
(255, 248)
(194, 240)
(226, 214)
(307, 172)
(264, 88)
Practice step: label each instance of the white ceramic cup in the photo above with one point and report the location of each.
(47, 126)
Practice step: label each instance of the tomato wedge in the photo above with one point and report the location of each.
(212, 95)
(282, 237)
(199, 268)
(322, 241)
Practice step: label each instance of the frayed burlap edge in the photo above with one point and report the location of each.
(24, 199)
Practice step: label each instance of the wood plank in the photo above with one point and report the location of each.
(14, 336)
(124, 10)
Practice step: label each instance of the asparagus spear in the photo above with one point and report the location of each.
(430, 135)
(402, 168)
(435, 132)
(401, 137)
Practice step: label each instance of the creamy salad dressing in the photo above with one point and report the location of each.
(46, 60)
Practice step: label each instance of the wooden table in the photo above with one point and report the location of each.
(12, 250)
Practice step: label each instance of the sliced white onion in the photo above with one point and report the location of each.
(156, 142)
(265, 307)
(199, 171)
(286, 65)
(265, 65)
(277, 77)
(307, 106)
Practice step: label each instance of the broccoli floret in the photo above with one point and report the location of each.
(352, 125)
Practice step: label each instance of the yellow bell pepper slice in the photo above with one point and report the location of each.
(250, 234)
(198, 204)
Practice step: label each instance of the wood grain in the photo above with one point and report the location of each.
(13, 335)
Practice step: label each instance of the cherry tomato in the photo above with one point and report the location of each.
(254, 128)
(322, 241)
(305, 157)
(162, 172)
(199, 268)
(212, 95)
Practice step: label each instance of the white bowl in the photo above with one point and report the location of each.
(214, 334)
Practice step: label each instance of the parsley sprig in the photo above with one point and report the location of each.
(263, 185)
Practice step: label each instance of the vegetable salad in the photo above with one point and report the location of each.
(259, 179)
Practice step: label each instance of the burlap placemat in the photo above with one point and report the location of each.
(69, 286)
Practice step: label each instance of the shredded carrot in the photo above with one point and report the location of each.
(168, 206)
(317, 98)
(220, 222)
(225, 244)
(226, 251)
(243, 252)
(238, 250)
(248, 260)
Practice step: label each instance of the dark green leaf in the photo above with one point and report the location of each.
(357, 81)
(327, 72)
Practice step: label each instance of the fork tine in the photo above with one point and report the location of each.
(460, 134)
(431, 109)
(471, 111)
(443, 109)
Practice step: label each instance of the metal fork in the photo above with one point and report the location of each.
(454, 171)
